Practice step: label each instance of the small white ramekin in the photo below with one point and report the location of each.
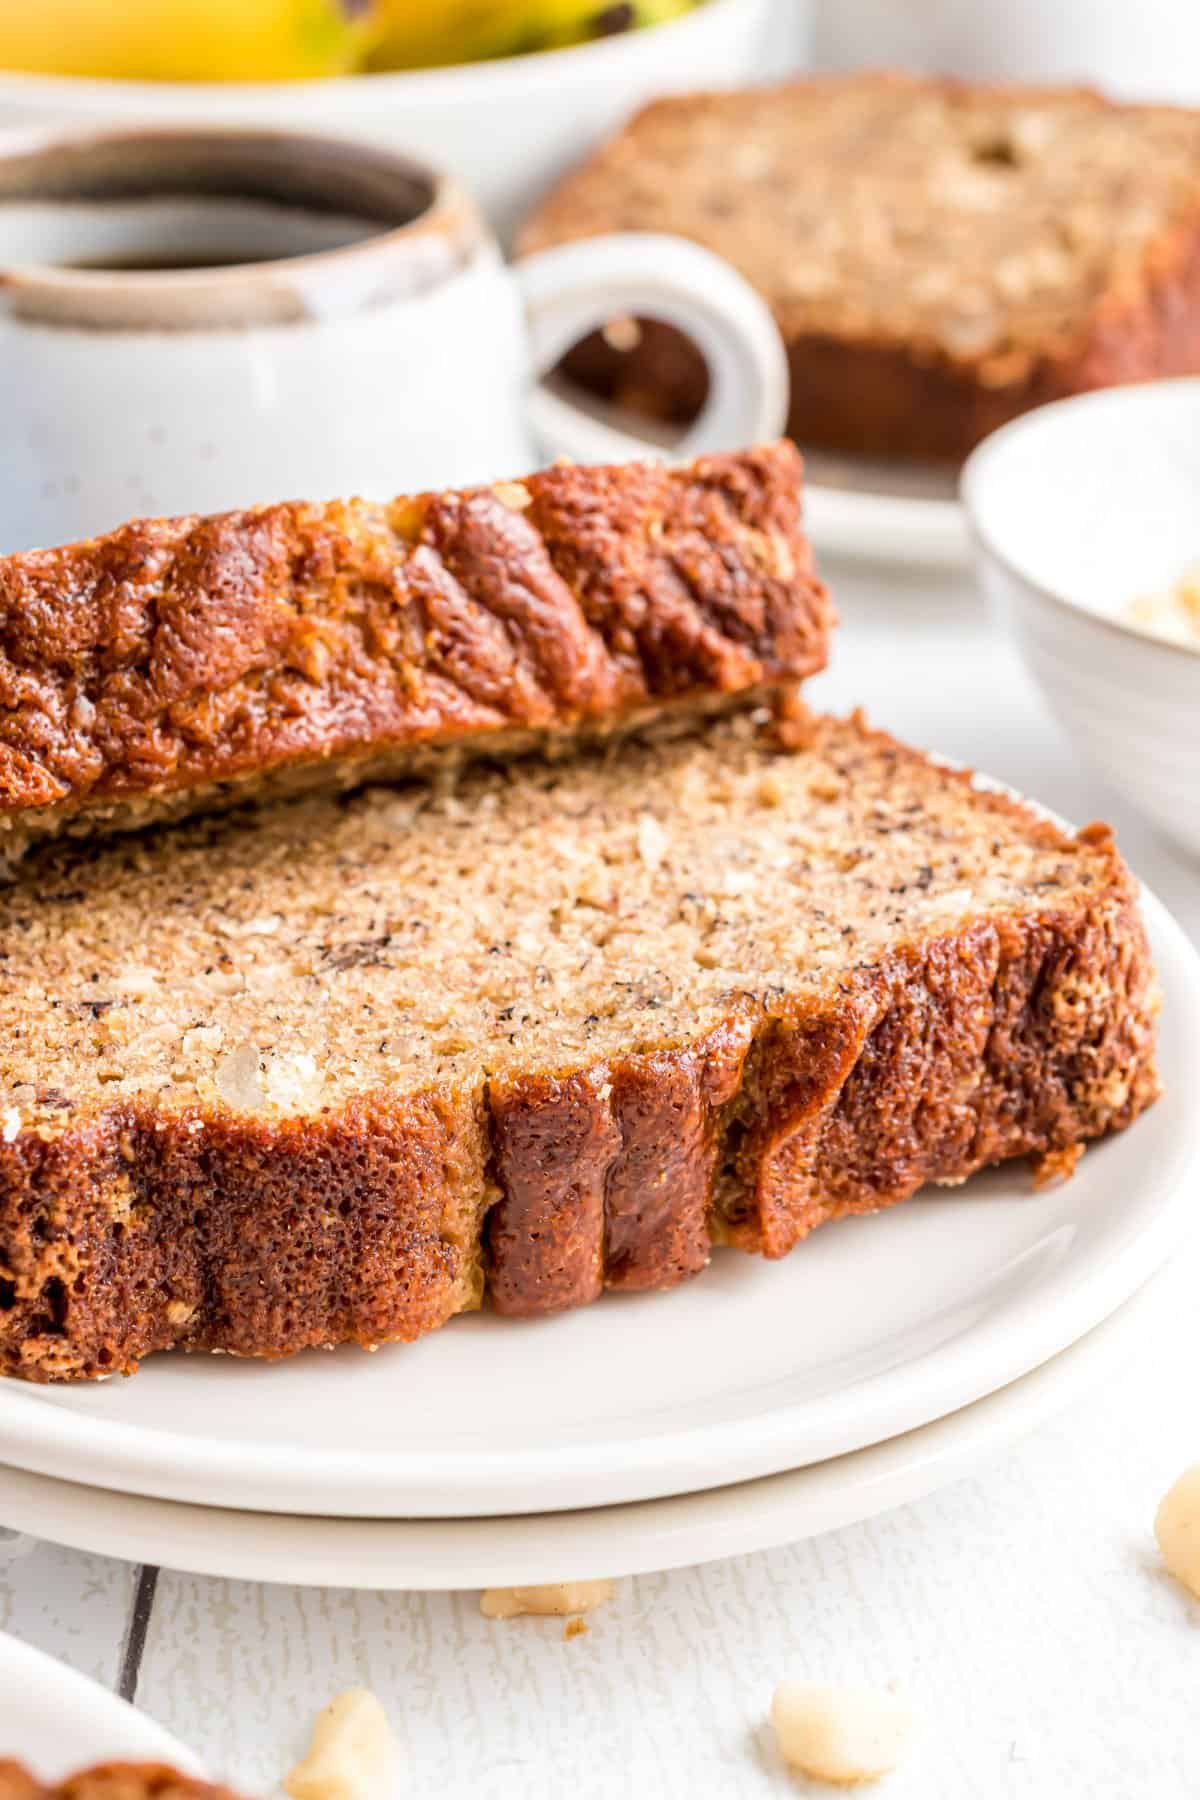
(1075, 511)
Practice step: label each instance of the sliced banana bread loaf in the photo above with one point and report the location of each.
(178, 663)
(330, 1072)
(940, 257)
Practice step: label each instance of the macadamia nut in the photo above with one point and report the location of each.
(843, 1735)
(556, 1601)
(1177, 1528)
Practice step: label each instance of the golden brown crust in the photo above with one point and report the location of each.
(110, 1781)
(864, 380)
(997, 1036)
(217, 1232)
(176, 663)
(17, 1783)
(880, 400)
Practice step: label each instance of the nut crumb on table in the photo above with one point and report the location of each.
(558, 1599)
(352, 1754)
(1177, 1529)
(845, 1736)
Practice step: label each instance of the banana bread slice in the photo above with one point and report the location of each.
(109, 1781)
(330, 1072)
(939, 256)
(178, 663)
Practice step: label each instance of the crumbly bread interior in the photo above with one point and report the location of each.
(984, 223)
(284, 963)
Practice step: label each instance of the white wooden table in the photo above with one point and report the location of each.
(1023, 1609)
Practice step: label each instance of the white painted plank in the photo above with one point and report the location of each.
(71, 1605)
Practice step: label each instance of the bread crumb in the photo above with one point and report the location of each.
(794, 722)
(842, 1735)
(10, 1129)
(1177, 1529)
(651, 840)
(267, 926)
(1056, 1165)
(574, 1628)
(136, 983)
(352, 1754)
(557, 1600)
(513, 494)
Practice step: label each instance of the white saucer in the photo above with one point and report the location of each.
(873, 1327)
(56, 1721)
(576, 1546)
(879, 512)
(886, 528)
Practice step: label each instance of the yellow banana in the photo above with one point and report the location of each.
(267, 40)
(599, 20)
(189, 40)
(420, 34)
(426, 33)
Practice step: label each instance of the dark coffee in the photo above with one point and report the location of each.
(167, 262)
(163, 201)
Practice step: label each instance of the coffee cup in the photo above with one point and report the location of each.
(194, 319)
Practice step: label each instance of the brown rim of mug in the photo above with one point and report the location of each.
(429, 228)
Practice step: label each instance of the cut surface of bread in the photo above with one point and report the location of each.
(109, 1781)
(330, 1072)
(176, 664)
(939, 256)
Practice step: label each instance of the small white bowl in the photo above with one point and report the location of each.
(1076, 510)
(507, 129)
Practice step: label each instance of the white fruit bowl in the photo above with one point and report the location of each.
(1077, 510)
(507, 129)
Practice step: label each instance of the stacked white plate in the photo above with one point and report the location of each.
(757, 1404)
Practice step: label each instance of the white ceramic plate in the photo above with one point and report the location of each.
(873, 1327)
(56, 1721)
(882, 512)
(576, 1546)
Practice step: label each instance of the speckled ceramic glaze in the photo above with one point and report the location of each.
(354, 330)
